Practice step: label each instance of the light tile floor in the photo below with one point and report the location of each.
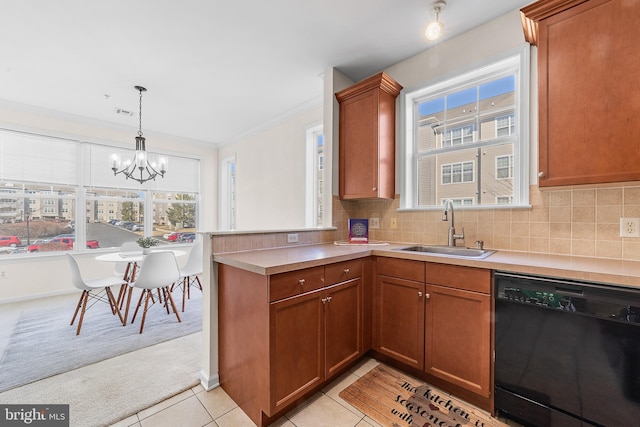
(197, 408)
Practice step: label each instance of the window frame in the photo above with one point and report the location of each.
(516, 62)
(82, 189)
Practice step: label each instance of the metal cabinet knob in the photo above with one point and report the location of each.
(346, 271)
(374, 189)
(542, 174)
(427, 296)
(301, 281)
(420, 294)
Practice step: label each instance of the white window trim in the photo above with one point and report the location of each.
(520, 58)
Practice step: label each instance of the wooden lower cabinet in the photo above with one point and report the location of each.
(437, 323)
(312, 337)
(282, 337)
(343, 326)
(400, 320)
(296, 347)
(458, 337)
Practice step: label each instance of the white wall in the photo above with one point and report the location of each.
(270, 173)
(50, 274)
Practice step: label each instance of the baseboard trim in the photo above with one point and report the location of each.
(209, 382)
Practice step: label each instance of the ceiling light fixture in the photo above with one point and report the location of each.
(434, 29)
(140, 163)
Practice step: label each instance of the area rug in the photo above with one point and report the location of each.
(394, 399)
(103, 393)
(44, 344)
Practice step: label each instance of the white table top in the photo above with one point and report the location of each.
(133, 256)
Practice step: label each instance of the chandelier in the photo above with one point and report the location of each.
(140, 168)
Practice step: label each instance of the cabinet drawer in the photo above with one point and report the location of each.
(401, 268)
(342, 271)
(453, 276)
(296, 282)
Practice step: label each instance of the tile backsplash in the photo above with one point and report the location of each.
(578, 221)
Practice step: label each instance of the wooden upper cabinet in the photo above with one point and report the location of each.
(588, 89)
(367, 138)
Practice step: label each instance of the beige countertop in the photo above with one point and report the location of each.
(279, 260)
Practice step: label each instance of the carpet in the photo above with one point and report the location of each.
(103, 393)
(395, 399)
(44, 344)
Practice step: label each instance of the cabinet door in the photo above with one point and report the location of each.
(588, 67)
(296, 347)
(458, 339)
(367, 138)
(399, 324)
(343, 323)
(358, 146)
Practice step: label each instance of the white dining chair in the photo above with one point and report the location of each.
(190, 271)
(95, 289)
(159, 273)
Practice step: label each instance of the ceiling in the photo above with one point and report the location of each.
(215, 70)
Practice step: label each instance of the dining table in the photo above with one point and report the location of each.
(134, 259)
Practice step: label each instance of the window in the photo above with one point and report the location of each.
(504, 167)
(457, 173)
(466, 138)
(505, 125)
(459, 202)
(57, 194)
(314, 177)
(458, 136)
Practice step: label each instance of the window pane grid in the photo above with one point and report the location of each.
(468, 131)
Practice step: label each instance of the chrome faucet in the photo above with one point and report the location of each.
(451, 235)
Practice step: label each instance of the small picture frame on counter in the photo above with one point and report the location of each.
(358, 230)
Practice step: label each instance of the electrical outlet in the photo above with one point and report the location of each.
(292, 238)
(3, 274)
(374, 222)
(629, 227)
(394, 223)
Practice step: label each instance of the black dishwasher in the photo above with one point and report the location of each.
(567, 353)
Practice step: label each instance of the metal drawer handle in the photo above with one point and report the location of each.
(301, 281)
(326, 300)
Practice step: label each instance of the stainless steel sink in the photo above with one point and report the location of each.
(451, 251)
